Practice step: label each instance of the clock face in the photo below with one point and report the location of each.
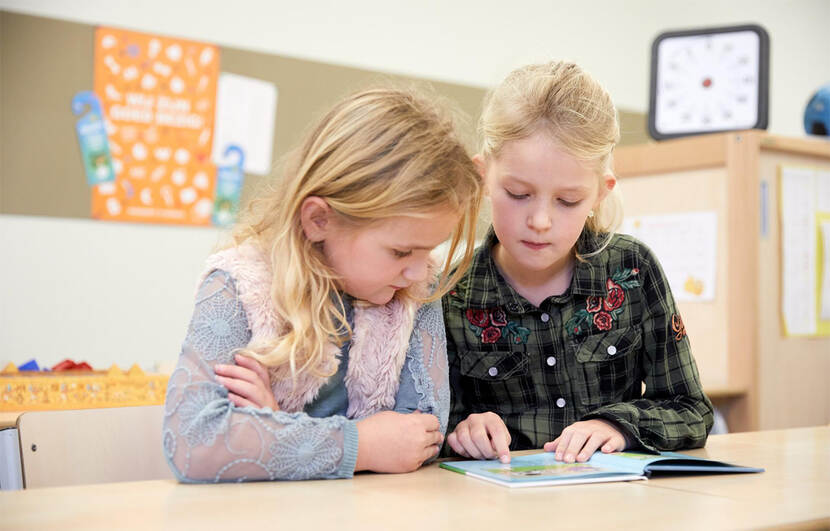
(709, 80)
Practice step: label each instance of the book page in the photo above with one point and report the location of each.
(540, 468)
(634, 462)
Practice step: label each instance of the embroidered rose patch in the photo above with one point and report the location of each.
(492, 324)
(601, 312)
(678, 327)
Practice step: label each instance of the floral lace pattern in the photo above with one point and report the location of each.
(427, 362)
(216, 329)
(208, 439)
(302, 451)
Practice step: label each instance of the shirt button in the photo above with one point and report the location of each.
(611, 350)
(493, 371)
(545, 318)
(560, 402)
(551, 361)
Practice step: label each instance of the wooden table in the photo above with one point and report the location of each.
(794, 491)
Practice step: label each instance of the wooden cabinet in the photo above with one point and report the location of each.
(756, 376)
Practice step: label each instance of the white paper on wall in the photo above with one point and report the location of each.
(798, 250)
(245, 115)
(823, 191)
(825, 273)
(686, 246)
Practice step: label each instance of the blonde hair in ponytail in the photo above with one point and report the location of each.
(377, 154)
(562, 99)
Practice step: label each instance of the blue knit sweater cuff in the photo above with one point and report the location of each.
(346, 468)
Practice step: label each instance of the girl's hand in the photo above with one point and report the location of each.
(396, 442)
(248, 383)
(580, 440)
(481, 436)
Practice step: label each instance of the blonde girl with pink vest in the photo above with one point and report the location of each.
(317, 345)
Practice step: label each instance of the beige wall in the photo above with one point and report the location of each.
(475, 42)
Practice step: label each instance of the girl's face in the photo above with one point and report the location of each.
(541, 198)
(375, 261)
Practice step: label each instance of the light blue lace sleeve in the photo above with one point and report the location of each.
(424, 378)
(208, 439)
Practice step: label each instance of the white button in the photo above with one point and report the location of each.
(545, 318)
(551, 361)
(612, 350)
(493, 371)
(560, 402)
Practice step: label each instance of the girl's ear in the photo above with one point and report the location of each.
(481, 168)
(315, 217)
(606, 183)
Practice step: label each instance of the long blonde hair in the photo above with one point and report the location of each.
(562, 99)
(377, 154)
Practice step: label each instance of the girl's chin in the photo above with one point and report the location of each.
(539, 265)
(380, 298)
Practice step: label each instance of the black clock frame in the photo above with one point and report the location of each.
(763, 77)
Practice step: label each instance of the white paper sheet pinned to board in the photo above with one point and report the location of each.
(686, 245)
(245, 114)
(825, 272)
(805, 207)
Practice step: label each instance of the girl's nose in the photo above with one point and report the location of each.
(540, 218)
(415, 271)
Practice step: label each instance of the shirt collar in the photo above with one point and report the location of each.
(484, 286)
(590, 274)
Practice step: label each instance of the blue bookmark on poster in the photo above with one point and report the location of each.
(92, 138)
(229, 180)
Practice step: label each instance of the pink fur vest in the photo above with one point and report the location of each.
(378, 346)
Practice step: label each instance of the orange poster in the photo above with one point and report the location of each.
(159, 96)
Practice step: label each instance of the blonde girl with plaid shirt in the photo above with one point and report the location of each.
(563, 334)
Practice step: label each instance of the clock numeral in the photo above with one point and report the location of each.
(741, 98)
(691, 55)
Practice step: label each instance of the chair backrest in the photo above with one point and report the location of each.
(73, 447)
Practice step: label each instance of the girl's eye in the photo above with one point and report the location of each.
(515, 196)
(401, 254)
(568, 203)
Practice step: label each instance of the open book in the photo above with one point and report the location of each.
(541, 469)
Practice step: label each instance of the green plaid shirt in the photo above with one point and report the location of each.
(581, 355)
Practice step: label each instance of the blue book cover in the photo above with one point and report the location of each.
(541, 469)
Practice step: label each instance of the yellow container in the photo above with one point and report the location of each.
(39, 391)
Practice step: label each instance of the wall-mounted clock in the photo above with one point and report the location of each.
(709, 80)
